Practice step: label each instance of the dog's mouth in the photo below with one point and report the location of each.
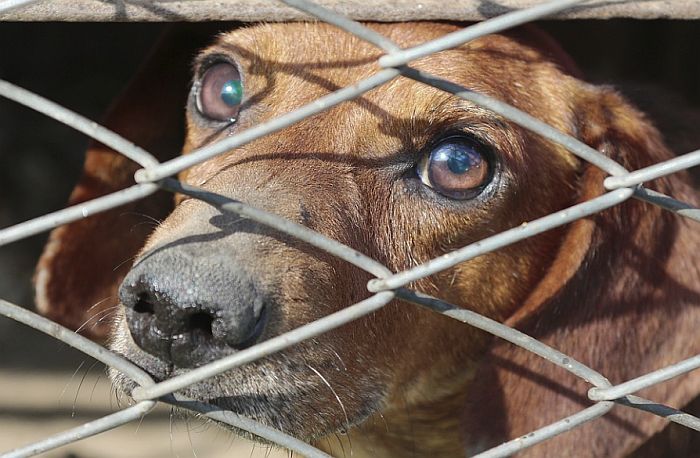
(281, 390)
(185, 306)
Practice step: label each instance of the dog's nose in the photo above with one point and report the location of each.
(187, 305)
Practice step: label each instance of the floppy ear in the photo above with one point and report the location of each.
(84, 262)
(621, 296)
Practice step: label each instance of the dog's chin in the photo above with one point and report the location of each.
(277, 391)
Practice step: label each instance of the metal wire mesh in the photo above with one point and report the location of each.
(387, 285)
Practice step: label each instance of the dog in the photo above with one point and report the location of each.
(404, 173)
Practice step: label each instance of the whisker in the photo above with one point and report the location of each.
(77, 392)
(130, 258)
(172, 447)
(97, 317)
(340, 359)
(60, 397)
(99, 302)
(94, 386)
(149, 217)
(252, 450)
(340, 442)
(142, 223)
(138, 427)
(342, 406)
(189, 437)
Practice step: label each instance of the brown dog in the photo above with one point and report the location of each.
(404, 174)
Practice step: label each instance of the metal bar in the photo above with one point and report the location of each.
(83, 431)
(521, 118)
(268, 347)
(8, 5)
(76, 212)
(542, 434)
(667, 203)
(77, 122)
(284, 225)
(506, 333)
(367, 10)
(502, 239)
(644, 381)
(65, 335)
(497, 24)
(317, 106)
(246, 424)
(344, 23)
(653, 172)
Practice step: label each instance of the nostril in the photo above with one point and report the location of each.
(143, 305)
(201, 321)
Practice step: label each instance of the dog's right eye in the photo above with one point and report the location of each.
(220, 93)
(458, 168)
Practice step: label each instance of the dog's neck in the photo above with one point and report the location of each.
(429, 429)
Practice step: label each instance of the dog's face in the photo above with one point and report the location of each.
(404, 174)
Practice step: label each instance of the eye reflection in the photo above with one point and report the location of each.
(458, 160)
(232, 92)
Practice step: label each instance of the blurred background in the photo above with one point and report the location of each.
(46, 387)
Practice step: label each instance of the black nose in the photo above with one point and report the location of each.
(189, 304)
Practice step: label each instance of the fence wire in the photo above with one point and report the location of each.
(386, 285)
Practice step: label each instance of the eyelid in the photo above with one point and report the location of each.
(205, 62)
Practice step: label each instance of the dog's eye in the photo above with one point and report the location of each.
(456, 168)
(220, 93)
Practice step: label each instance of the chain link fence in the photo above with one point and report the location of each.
(621, 185)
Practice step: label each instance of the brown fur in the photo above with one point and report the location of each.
(617, 291)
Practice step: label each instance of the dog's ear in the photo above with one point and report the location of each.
(610, 124)
(619, 297)
(83, 263)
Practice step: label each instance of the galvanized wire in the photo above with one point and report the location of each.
(76, 212)
(84, 431)
(667, 203)
(645, 381)
(77, 122)
(505, 238)
(495, 25)
(246, 424)
(549, 431)
(655, 171)
(506, 333)
(387, 285)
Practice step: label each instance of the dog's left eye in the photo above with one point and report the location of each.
(220, 93)
(457, 168)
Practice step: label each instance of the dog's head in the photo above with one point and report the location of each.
(405, 173)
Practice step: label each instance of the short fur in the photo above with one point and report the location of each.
(618, 291)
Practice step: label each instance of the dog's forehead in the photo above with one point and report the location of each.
(285, 66)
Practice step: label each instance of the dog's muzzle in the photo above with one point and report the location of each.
(188, 304)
